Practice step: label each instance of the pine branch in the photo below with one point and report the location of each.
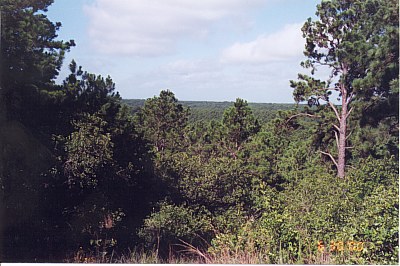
(331, 89)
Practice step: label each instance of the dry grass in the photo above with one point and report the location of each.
(189, 254)
(224, 256)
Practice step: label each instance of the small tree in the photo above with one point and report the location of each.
(240, 123)
(162, 120)
(347, 39)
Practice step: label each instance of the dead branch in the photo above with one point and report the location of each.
(335, 110)
(330, 156)
(335, 126)
(337, 139)
(301, 114)
(349, 135)
(348, 114)
(350, 98)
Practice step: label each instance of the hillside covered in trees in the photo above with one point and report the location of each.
(84, 177)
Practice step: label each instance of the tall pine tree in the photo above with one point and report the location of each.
(350, 38)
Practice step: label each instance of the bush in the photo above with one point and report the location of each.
(172, 223)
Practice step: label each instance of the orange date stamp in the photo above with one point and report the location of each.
(338, 246)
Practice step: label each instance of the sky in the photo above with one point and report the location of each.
(202, 50)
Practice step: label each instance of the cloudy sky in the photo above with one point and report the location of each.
(214, 50)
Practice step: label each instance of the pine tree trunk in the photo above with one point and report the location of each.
(341, 164)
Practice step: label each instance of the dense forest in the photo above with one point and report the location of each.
(207, 111)
(85, 177)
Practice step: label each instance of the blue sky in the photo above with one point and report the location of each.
(214, 50)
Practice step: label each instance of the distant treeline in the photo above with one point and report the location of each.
(208, 110)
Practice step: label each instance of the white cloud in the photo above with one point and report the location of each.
(282, 45)
(153, 27)
(208, 79)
